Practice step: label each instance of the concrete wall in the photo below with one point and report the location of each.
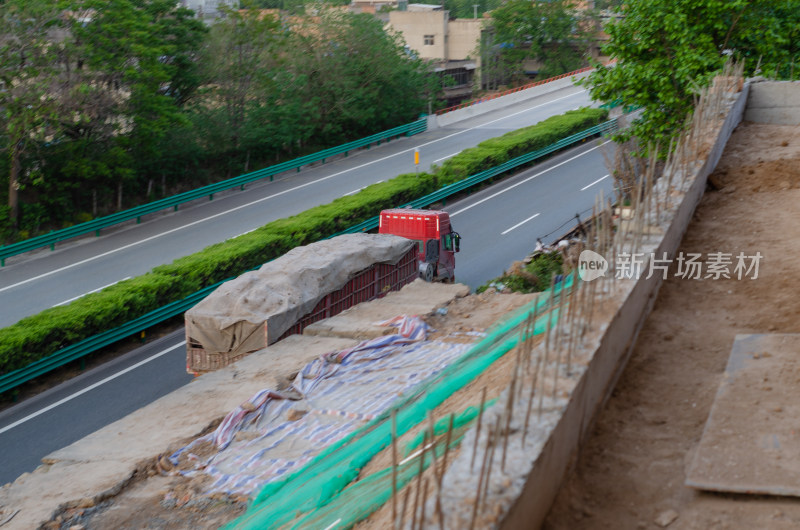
(463, 38)
(414, 25)
(775, 102)
(611, 356)
(450, 118)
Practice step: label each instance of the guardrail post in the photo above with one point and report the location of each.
(346, 153)
(176, 207)
(138, 219)
(241, 188)
(2, 262)
(298, 169)
(323, 160)
(97, 233)
(271, 177)
(211, 197)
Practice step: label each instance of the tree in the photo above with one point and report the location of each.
(357, 78)
(470, 8)
(667, 50)
(554, 34)
(242, 57)
(130, 66)
(27, 77)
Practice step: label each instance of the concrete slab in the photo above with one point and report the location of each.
(417, 298)
(751, 441)
(97, 466)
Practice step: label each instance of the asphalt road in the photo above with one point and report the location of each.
(498, 225)
(38, 280)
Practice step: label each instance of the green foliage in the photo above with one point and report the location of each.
(667, 50)
(40, 335)
(119, 102)
(27, 103)
(532, 277)
(554, 34)
(466, 9)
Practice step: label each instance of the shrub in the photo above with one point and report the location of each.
(40, 335)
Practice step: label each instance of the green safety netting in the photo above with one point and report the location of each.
(292, 500)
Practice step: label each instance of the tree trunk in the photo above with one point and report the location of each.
(149, 189)
(13, 186)
(94, 202)
(119, 196)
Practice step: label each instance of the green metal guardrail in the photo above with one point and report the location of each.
(457, 187)
(84, 347)
(174, 201)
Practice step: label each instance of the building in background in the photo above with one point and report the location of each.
(208, 10)
(450, 44)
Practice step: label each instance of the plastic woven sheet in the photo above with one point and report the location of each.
(276, 433)
(283, 502)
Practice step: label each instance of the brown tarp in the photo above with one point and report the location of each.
(247, 313)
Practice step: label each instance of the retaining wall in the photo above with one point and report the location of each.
(613, 350)
(450, 118)
(774, 102)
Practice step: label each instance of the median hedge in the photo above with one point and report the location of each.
(40, 335)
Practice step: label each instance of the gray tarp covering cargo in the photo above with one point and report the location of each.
(251, 311)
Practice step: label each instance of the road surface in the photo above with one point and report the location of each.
(499, 224)
(38, 280)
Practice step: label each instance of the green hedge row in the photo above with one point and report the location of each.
(40, 335)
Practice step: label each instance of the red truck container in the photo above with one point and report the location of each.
(437, 243)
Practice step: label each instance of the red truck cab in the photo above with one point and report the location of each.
(437, 243)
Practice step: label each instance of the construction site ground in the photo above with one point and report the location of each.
(631, 471)
(152, 500)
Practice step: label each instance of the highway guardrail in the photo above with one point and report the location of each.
(174, 201)
(79, 349)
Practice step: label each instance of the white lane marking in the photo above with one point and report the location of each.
(88, 388)
(243, 233)
(92, 291)
(361, 188)
(595, 182)
(492, 196)
(145, 240)
(519, 224)
(445, 157)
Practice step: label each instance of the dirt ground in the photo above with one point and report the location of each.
(631, 470)
(155, 501)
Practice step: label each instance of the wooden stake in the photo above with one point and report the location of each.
(496, 438)
(481, 476)
(419, 479)
(405, 506)
(432, 429)
(478, 428)
(530, 401)
(424, 498)
(547, 343)
(509, 412)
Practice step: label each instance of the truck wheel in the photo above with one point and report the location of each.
(427, 271)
